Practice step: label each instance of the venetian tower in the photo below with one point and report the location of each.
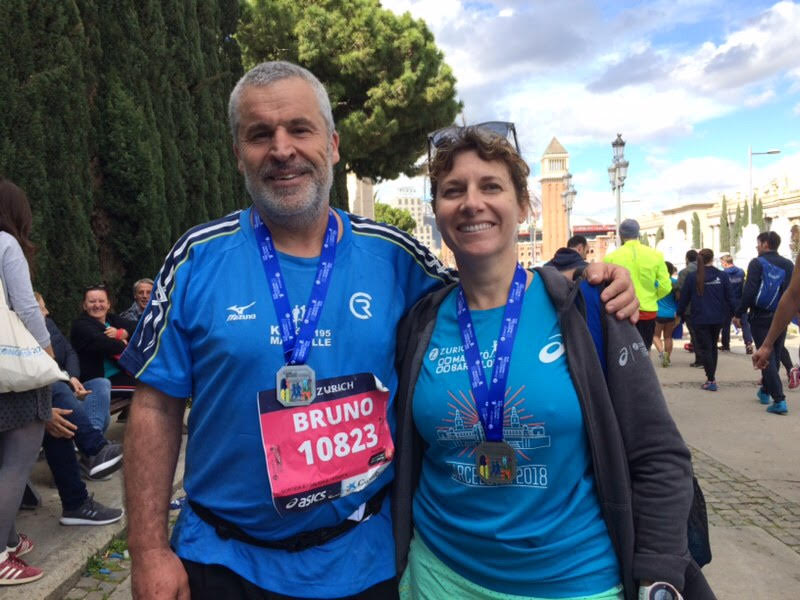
(555, 164)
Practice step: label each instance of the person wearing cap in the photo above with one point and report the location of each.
(649, 273)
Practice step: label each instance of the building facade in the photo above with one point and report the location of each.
(426, 230)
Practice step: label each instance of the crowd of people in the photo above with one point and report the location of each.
(429, 456)
(67, 419)
(708, 299)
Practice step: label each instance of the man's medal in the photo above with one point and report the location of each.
(495, 459)
(296, 382)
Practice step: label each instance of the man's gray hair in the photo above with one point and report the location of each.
(267, 73)
(140, 282)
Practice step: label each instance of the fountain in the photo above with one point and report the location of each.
(747, 246)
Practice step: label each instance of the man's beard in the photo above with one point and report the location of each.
(299, 208)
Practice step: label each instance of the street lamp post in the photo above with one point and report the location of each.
(568, 198)
(617, 173)
(750, 154)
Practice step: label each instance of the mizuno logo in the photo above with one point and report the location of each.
(239, 314)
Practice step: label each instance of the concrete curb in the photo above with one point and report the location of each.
(62, 552)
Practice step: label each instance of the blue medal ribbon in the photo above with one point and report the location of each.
(490, 401)
(297, 346)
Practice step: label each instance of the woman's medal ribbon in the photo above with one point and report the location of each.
(495, 459)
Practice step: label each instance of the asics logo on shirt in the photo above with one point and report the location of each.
(553, 350)
(623, 357)
(238, 313)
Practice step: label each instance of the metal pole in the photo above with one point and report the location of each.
(750, 173)
(618, 190)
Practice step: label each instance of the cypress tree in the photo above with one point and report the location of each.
(44, 124)
(758, 215)
(659, 235)
(737, 227)
(745, 215)
(696, 237)
(724, 227)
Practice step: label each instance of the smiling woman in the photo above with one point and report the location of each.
(99, 337)
(513, 452)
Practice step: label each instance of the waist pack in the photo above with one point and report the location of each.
(769, 292)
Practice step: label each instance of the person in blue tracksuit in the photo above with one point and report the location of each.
(736, 277)
(709, 291)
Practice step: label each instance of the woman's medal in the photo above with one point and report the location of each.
(495, 459)
(296, 382)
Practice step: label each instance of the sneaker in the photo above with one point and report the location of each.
(763, 396)
(697, 365)
(669, 360)
(664, 359)
(710, 386)
(105, 462)
(24, 545)
(724, 348)
(748, 348)
(14, 571)
(91, 512)
(794, 378)
(778, 408)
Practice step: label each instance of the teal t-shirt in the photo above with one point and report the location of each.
(543, 535)
(667, 306)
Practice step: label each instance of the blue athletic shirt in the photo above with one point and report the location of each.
(543, 535)
(210, 333)
(668, 305)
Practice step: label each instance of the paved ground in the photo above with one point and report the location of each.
(746, 460)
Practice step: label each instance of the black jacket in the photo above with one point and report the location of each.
(716, 303)
(92, 345)
(753, 283)
(641, 465)
(566, 259)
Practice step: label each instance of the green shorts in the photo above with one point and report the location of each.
(428, 578)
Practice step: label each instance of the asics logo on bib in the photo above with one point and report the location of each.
(552, 351)
(305, 501)
(360, 305)
(238, 313)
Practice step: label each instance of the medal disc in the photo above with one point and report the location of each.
(296, 385)
(496, 463)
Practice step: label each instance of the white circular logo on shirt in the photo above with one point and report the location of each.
(552, 351)
(360, 304)
(433, 354)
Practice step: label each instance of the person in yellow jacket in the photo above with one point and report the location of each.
(649, 273)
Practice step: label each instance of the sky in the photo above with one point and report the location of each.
(690, 85)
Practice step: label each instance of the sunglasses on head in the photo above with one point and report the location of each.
(438, 138)
(96, 286)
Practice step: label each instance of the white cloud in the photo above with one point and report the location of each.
(754, 54)
(759, 99)
(580, 72)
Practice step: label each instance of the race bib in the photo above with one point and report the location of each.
(333, 447)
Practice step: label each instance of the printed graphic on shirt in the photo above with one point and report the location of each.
(323, 338)
(462, 430)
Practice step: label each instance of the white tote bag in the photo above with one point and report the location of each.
(24, 365)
